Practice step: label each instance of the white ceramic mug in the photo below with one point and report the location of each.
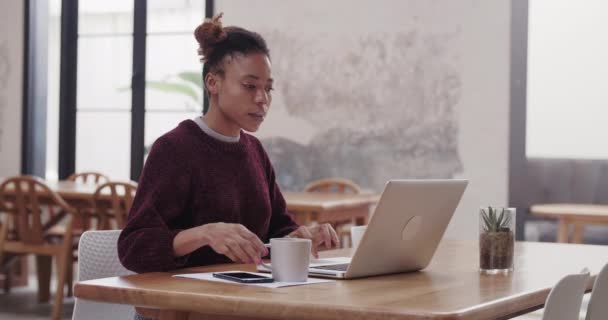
(356, 233)
(290, 258)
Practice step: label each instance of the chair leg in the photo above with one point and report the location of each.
(43, 270)
(7, 280)
(4, 265)
(61, 262)
(64, 259)
(69, 280)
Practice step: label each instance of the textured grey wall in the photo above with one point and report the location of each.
(383, 106)
(388, 89)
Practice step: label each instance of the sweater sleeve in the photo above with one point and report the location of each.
(281, 221)
(146, 242)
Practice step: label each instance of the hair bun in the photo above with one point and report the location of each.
(208, 34)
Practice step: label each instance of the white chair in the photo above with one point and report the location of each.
(598, 303)
(564, 300)
(98, 258)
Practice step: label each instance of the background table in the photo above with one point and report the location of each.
(450, 288)
(320, 207)
(572, 214)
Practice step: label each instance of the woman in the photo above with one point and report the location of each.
(207, 193)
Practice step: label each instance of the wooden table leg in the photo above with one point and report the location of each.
(562, 235)
(43, 270)
(363, 219)
(577, 236)
(303, 218)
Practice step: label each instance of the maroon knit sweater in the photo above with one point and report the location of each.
(191, 179)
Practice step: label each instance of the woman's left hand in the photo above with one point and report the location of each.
(321, 235)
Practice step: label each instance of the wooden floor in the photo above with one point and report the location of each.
(22, 304)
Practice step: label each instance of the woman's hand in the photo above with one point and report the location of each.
(234, 241)
(321, 235)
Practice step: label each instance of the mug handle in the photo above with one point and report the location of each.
(267, 265)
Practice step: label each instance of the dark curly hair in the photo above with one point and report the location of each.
(216, 42)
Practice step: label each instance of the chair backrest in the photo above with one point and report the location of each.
(88, 177)
(114, 200)
(98, 258)
(21, 198)
(333, 185)
(564, 300)
(598, 304)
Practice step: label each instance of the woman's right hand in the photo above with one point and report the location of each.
(234, 241)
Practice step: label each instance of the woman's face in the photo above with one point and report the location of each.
(243, 93)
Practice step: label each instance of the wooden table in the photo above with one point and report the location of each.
(329, 207)
(572, 214)
(450, 288)
(307, 206)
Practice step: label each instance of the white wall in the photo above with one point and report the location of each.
(388, 89)
(11, 84)
(484, 111)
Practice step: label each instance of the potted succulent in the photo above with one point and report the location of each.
(496, 239)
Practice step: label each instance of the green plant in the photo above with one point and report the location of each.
(189, 84)
(495, 222)
(185, 83)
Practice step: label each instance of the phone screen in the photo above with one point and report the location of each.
(242, 277)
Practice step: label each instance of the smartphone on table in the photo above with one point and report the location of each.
(243, 277)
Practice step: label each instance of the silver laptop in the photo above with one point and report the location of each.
(403, 233)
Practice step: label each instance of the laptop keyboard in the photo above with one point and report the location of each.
(336, 267)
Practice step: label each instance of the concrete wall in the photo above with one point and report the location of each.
(388, 89)
(11, 85)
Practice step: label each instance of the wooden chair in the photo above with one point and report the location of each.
(83, 224)
(88, 177)
(336, 185)
(118, 210)
(24, 230)
(120, 199)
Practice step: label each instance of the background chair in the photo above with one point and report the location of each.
(598, 303)
(89, 177)
(564, 300)
(99, 259)
(24, 231)
(120, 196)
(336, 185)
(333, 185)
(83, 221)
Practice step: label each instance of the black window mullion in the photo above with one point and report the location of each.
(138, 86)
(67, 88)
(33, 159)
(209, 11)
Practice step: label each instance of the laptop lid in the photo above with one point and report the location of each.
(405, 229)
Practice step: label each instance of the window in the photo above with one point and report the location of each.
(567, 102)
(52, 113)
(173, 71)
(104, 78)
(105, 50)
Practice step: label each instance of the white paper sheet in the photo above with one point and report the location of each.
(209, 277)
